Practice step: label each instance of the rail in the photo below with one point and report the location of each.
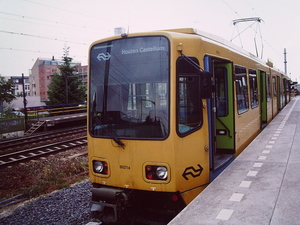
(17, 143)
(37, 152)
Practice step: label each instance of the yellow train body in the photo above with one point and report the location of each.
(190, 157)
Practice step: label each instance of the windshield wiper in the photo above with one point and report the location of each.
(99, 122)
(110, 131)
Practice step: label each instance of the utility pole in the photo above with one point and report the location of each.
(285, 62)
(67, 94)
(24, 101)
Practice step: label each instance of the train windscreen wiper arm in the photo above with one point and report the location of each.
(110, 131)
(98, 121)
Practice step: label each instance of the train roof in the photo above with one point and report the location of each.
(219, 40)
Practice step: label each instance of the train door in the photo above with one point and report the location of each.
(221, 115)
(263, 98)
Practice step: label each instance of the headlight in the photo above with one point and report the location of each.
(100, 167)
(162, 172)
(156, 172)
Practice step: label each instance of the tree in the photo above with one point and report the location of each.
(65, 87)
(6, 90)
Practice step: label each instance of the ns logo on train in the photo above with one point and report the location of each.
(104, 57)
(194, 172)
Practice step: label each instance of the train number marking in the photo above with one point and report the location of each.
(192, 171)
(124, 167)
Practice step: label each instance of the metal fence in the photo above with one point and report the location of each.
(55, 111)
(11, 125)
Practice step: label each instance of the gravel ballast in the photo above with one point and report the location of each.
(67, 206)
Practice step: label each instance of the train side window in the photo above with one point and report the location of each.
(221, 91)
(274, 86)
(268, 87)
(189, 104)
(241, 89)
(253, 88)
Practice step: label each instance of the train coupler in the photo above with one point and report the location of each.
(108, 204)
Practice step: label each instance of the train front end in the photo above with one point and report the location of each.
(137, 158)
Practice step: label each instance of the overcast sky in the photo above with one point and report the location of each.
(41, 28)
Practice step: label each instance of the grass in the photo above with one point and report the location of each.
(55, 177)
(42, 177)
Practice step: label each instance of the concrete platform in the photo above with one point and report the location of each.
(53, 120)
(261, 186)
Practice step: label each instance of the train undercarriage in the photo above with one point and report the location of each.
(120, 206)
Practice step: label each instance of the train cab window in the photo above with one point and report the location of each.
(189, 104)
(253, 88)
(241, 89)
(129, 89)
(221, 91)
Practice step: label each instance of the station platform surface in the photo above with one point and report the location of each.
(261, 186)
(61, 118)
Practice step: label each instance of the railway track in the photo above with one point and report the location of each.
(36, 152)
(17, 143)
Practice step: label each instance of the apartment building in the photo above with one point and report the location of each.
(42, 71)
(18, 83)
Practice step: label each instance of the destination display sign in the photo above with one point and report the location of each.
(142, 50)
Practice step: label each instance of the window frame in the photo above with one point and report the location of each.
(225, 86)
(269, 88)
(253, 85)
(114, 84)
(240, 71)
(274, 86)
(189, 72)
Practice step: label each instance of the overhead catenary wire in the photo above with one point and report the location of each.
(71, 11)
(51, 23)
(36, 51)
(43, 37)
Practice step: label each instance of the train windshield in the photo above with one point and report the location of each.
(129, 85)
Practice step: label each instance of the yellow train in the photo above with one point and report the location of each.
(167, 112)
